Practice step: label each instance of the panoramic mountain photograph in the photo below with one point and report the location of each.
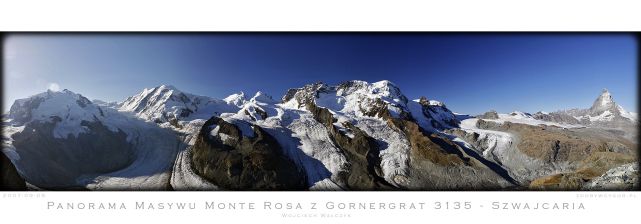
(319, 111)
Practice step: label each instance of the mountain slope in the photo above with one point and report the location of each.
(319, 126)
(87, 146)
(351, 136)
(558, 150)
(604, 112)
(165, 103)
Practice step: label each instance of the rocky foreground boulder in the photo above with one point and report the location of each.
(624, 177)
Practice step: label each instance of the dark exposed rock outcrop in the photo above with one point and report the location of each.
(361, 150)
(556, 117)
(234, 161)
(10, 180)
(489, 115)
(430, 110)
(590, 168)
(438, 163)
(64, 160)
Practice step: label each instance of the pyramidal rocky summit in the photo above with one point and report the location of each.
(352, 136)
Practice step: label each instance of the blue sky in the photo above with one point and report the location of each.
(470, 73)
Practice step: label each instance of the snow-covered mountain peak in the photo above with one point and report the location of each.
(166, 90)
(51, 101)
(427, 102)
(352, 97)
(262, 97)
(606, 94)
(603, 102)
(604, 112)
(237, 99)
(386, 90)
(386, 86)
(357, 98)
(151, 98)
(298, 97)
(605, 109)
(169, 87)
(166, 103)
(66, 108)
(354, 100)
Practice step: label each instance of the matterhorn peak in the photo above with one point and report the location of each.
(606, 94)
(603, 102)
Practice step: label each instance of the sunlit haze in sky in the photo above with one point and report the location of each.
(470, 73)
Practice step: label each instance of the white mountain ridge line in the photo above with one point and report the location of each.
(163, 103)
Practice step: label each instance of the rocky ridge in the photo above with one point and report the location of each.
(351, 136)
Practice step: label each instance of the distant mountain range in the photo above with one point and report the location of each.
(351, 136)
(603, 113)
